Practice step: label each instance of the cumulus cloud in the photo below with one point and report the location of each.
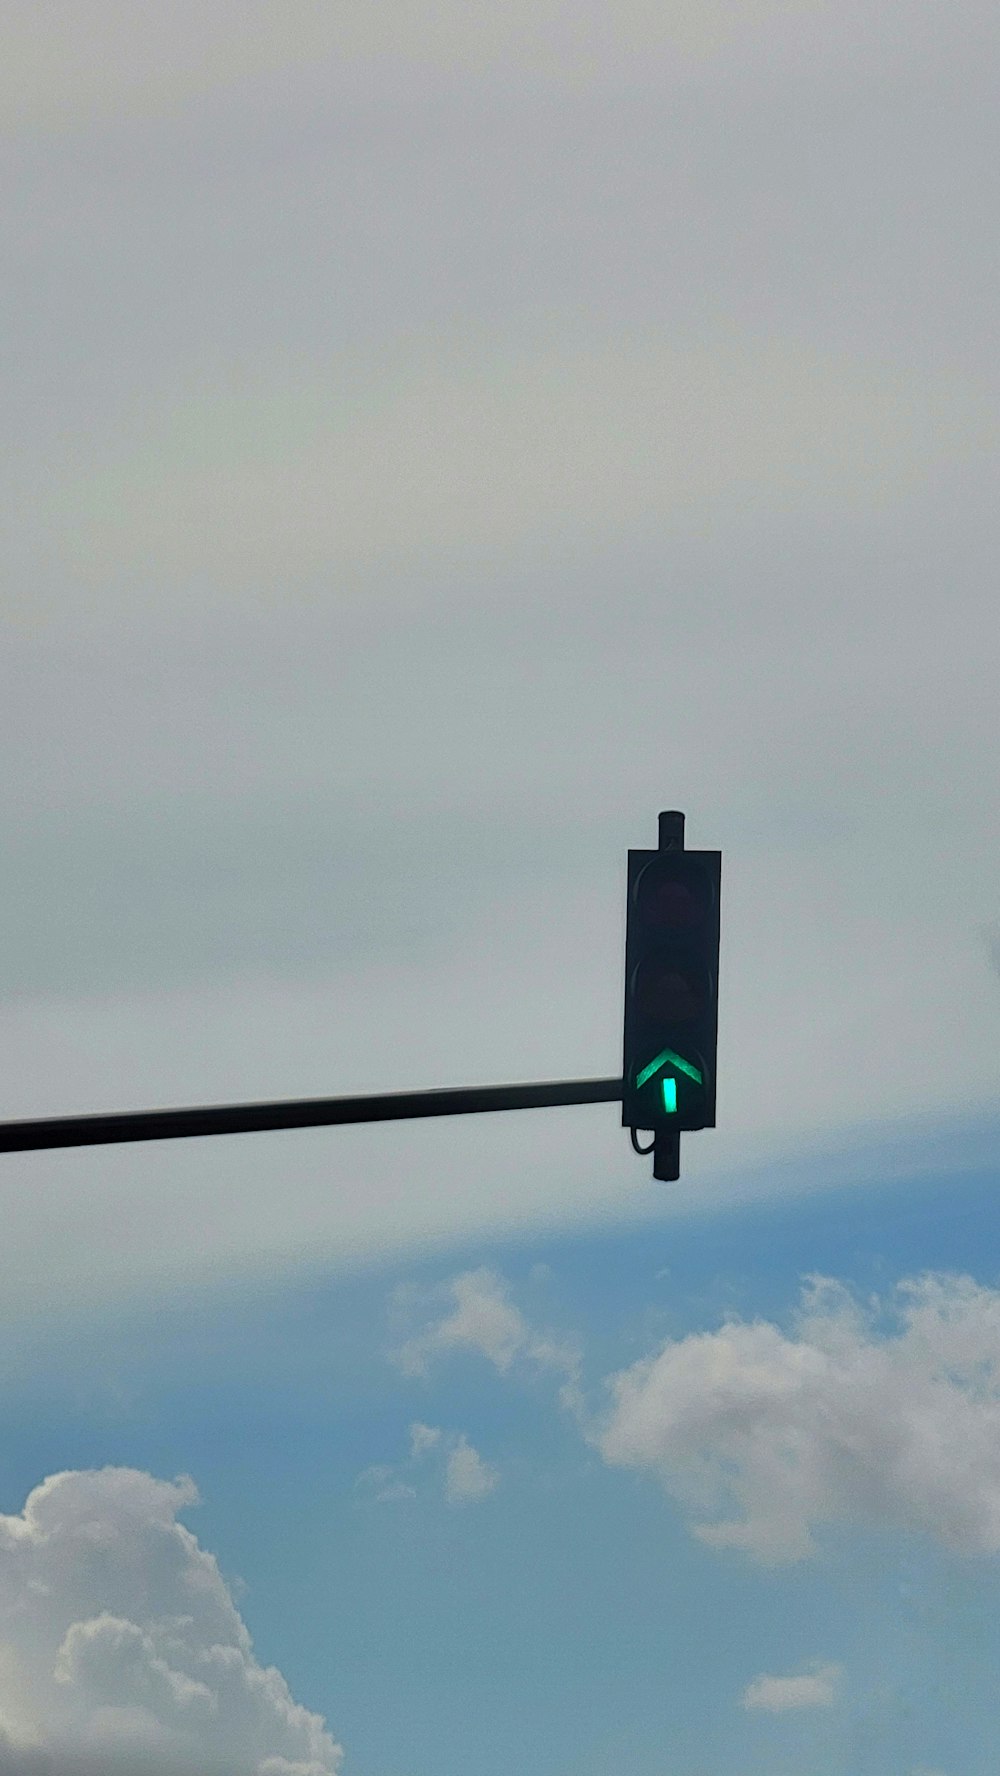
(777, 1695)
(887, 1415)
(123, 1648)
(483, 1318)
(466, 1476)
(422, 1438)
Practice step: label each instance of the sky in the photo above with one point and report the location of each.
(436, 440)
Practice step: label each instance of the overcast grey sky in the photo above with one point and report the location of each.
(436, 442)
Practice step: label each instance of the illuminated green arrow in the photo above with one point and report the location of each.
(666, 1056)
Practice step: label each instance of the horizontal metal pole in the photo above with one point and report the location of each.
(241, 1119)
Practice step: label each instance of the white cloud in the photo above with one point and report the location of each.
(467, 1476)
(380, 1480)
(422, 1438)
(764, 1437)
(484, 1319)
(124, 1642)
(777, 1695)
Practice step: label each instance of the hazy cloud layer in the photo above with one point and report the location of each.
(107, 61)
(434, 446)
(477, 451)
(765, 1438)
(123, 1649)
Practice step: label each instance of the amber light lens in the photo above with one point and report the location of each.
(670, 994)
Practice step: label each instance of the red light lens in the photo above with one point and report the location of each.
(671, 899)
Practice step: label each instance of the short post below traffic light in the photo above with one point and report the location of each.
(671, 993)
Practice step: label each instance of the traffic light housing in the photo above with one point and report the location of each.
(671, 988)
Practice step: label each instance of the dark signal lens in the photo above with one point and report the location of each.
(668, 994)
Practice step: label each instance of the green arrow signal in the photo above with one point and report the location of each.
(666, 1056)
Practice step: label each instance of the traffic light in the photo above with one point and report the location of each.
(671, 986)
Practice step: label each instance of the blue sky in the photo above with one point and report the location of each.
(567, 1620)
